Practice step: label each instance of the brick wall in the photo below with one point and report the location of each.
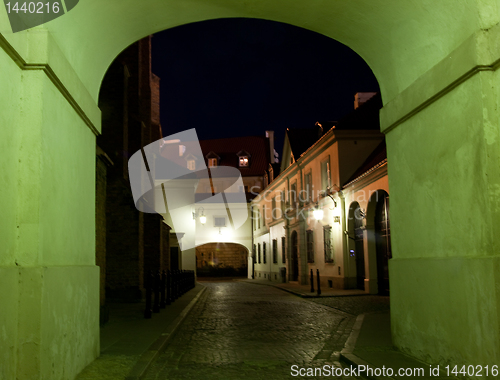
(127, 242)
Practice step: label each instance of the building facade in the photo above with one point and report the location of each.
(313, 215)
(217, 180)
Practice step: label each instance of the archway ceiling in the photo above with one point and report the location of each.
(400, 40)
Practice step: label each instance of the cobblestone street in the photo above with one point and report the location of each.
(239, 330)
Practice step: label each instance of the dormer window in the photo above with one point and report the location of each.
(212, 159)
(191, 162)
(243, 159)
(212, 162)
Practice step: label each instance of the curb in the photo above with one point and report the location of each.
(302, 295)
(346, 355)
(152, 352)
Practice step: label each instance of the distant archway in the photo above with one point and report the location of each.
(221, 260)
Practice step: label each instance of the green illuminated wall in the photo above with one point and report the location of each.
(436, 62)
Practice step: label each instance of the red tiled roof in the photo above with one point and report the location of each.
(227, 149)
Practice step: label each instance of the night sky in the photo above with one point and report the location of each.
(240, 77)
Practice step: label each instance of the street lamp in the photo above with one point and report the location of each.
(203, 218)
(318, 212)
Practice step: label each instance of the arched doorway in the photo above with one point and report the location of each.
(221, 260)
(357, 242)
(383, 241)
(294, 259)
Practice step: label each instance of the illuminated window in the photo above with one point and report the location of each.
(310, 246)
(327, 240)
(326, 180)
(283, 250)
(219, 221)
(243, 161)
(191, 164)
(212, 162)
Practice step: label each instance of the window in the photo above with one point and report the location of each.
(243, 161)
(254, 253)
(212, 162)
(273, 209)
(292, 197)
(275, 251)
(263, 215)
(254, 218)
(182, 150)
(326, 180)
(283, 204)
(283, 250)
(310, 246)
(258, 247)
(308, 187)
(327, 242)
(219, 221)
(191, 164)
(258, 218)
(264, 252)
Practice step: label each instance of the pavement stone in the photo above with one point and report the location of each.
(238, 330)
(129, 342)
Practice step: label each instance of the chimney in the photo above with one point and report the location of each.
(362, 97)
(270, 136)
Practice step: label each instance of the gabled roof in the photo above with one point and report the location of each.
(301, 139)
(378, 156)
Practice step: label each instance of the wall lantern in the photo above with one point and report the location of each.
(203, 218)
(318, 213)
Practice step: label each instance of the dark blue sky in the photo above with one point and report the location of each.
(239, 77)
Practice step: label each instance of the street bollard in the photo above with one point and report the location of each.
(312, 282)
(317, 278)
(149, 283)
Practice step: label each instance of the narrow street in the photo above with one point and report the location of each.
(240, 330)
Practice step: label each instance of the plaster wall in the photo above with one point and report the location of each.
(50, 285)
(444, 179)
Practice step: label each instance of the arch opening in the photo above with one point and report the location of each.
(221, 260)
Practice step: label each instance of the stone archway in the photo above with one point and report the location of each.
(437, 65)
(221, 260)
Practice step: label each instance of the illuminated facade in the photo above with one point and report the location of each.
(308, 217)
